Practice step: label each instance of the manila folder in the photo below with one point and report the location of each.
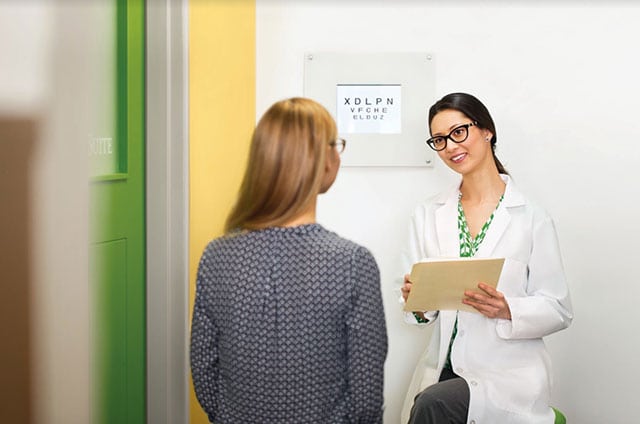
(439, 284)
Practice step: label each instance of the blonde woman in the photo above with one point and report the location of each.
(287, 324)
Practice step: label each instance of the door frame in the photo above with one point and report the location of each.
(167, 211)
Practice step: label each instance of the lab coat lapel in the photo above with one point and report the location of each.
(501, 218)
(446, 218)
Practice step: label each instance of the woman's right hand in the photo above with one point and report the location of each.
(406, 287)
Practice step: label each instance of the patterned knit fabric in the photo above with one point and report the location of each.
(469, 245)
(288, 327)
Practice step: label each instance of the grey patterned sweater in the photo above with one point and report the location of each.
(288, 327)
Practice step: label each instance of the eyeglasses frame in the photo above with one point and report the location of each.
(339, 144)
(429, 141)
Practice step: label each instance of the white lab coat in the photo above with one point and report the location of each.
(505, 363)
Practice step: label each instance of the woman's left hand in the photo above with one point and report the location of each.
(490, 302)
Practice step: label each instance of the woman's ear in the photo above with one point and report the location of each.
(331, 165)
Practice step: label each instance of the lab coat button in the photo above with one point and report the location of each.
(461, 333)
(459, 371)
(472, 422)
(474, 383)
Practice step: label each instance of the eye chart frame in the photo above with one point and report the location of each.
(380, 102)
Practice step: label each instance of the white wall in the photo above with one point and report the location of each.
(561, 82)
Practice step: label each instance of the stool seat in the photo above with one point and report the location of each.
(560, 418)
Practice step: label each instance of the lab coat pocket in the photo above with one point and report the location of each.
(515, 389)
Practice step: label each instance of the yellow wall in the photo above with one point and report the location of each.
(221, 119)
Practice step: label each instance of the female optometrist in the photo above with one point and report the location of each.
(491, 366)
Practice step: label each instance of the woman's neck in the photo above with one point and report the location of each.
(482, 187)
(307, 216)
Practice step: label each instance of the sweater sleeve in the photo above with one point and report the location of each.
(204, 348)
(366, 340)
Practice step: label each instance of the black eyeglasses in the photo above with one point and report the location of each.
(339, 144)
(457, 135)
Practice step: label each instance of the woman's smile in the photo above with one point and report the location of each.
(458, 158)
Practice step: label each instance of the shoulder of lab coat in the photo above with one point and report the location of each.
(415, 248)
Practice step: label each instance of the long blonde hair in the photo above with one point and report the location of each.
(286, 164)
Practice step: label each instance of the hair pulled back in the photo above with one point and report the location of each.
(474, 110)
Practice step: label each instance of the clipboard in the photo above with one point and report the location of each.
(439, 284)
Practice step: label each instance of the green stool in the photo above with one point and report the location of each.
(560, 418)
